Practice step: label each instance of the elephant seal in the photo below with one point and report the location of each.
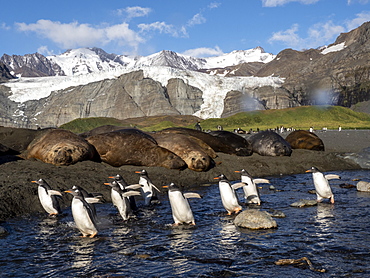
(119, 148)
(269, 143)
(190, 149)
(241, 146)
(100, 130)
(60, 147)
(303, 139)
(218, 144)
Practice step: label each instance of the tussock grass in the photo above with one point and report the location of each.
(302, 117)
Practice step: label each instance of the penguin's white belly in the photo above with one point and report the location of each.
(181, 210)
(251, 194)
(146, 192)
(228, 198)
(322, 186)
(46, 201)
(82, 218)
(121, 203)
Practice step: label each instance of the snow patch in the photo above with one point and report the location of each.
(334, 48)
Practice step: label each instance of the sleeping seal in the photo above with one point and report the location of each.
(217, 143)
(197, 154)
(119, 148)
(303, 139)
(269, 143)
(241, 146)
(60, 147)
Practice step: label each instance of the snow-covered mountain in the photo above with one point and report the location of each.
(86, 65)
(95, 60)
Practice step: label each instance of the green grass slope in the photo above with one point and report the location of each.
(302, 117)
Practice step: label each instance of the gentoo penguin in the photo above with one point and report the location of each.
(181, 211)
(82, 213)
(228, 196)
(322, 187)
(90, 198)
(48, 197)
(147, 189)
(120, 200)
(251, 193)
(125, 187)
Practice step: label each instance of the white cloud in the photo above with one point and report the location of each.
(317, 35)
(358, 20)
(288, 37)
(72, 35)
(4, 26)
(132, 12)
(275, 3)
(160, 27)
(44, 50)
(203, 52)
(349, 2)
(214, 5)
(196, 19)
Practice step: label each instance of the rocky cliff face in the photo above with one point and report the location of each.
(333, 75)
(5, 74)
(129, 96)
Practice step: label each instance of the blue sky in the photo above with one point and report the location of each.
(198, 28)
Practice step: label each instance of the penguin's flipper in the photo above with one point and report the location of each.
(261, 180)
(152, 185)
(92, 200)
(54, 192)
(134, 186)
(131, 193)
(238, 185)
(192, 195)
(89, 210)
(332, 177)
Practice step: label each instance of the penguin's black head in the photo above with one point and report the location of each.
(243, 172)
(142, 172)
(221, 177)
(171, 187)
(116, 177)
(312, 170)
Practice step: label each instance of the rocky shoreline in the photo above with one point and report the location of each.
(18, 194)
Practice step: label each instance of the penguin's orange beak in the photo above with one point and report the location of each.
(216, 178)
(68, 191)
(309, 171)
(106, 183)
(237, 171)
(165, 186)
(34, 181)
(137, 172)
(111, 177)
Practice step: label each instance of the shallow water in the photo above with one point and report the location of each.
(334, 237)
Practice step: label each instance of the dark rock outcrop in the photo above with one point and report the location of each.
(31, 65)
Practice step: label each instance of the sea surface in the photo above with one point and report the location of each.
(334, 237)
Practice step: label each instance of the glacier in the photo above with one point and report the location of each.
(84, 66)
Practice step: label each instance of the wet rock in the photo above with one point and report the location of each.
(3, 231)
(276, 213)
(254, 219)
(363, 186)
(304, 203)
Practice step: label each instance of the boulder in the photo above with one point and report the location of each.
(254, 219)
(363, 186)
